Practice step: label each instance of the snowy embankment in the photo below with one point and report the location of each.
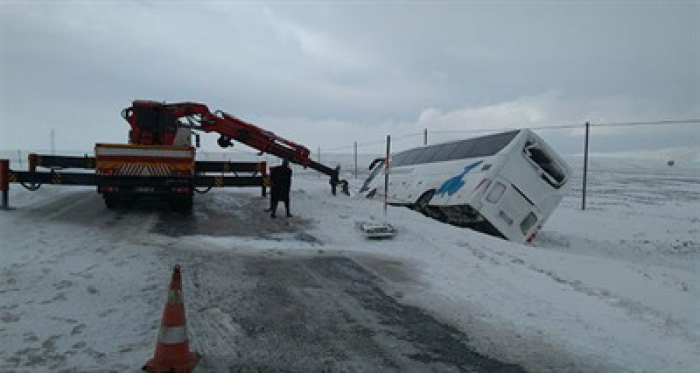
(612, 288)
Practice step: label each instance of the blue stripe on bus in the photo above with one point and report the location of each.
(455, 183)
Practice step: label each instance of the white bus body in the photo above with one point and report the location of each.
(507, 184)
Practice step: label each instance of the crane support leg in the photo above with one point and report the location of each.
(5, 183)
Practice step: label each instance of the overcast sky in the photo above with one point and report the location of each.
(327, 74)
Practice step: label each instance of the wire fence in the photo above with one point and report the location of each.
(591, 149)
(428, 134)
(663, 147)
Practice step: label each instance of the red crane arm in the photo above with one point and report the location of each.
(143, 114)
(231, 127)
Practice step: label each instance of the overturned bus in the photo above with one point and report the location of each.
(505, 184)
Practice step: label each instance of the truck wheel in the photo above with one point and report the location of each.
(111, 201)
(181, 203)
(187, 203)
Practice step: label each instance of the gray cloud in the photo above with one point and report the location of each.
(327, 74)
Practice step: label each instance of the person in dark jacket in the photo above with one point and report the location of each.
(335, 180)
(281, 178)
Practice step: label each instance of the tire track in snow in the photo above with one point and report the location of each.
(271, 312)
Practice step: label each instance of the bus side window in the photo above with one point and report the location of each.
(398, 160)
(492, 144)
(445, 152)
(463, 150)
(427, 155)
(412, 155)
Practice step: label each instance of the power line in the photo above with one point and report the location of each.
(649, 123)
(563, 126)
(550, 127)
(468, 131)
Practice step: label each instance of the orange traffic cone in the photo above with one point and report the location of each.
(172, 348)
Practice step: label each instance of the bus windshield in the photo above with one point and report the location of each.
(552, 171)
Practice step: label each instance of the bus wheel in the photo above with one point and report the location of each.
(421, 204)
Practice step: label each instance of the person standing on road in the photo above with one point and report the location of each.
(281, 178)
(335, 179)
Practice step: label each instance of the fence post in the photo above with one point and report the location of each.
(585, 167)
(5, 183)
(387, 169)
(355, 146)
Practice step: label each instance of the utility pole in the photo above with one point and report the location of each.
(585, 167)
(53, 142)
(425, 137)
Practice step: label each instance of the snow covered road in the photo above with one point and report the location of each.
(85, 286)
(614, 288)
(73, 282)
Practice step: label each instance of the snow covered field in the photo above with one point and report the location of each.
(612, 288)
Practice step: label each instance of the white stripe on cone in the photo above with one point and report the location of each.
(172, 334)
(175, 296)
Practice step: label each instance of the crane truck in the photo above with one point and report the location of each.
(160, 159)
